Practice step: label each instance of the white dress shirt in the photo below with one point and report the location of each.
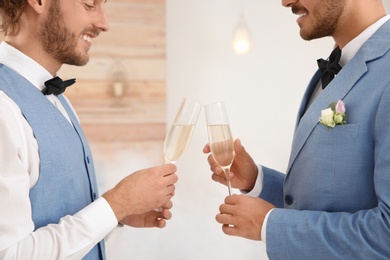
(75, 235)
(348, 52)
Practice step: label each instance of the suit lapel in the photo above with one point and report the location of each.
(306, 97)
(339, 87)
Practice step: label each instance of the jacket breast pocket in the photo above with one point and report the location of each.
(342, 147)
(338, 132)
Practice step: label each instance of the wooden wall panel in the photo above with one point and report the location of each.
(105, 68)
(143, 90)
(132, 52)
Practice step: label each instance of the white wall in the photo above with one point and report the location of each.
(262, 91)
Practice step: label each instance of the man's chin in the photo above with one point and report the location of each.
(77, 62)
(309, 37)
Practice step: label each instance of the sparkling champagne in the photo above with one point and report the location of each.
(221, 144)
(177, 141)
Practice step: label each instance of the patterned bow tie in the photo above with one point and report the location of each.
(329, 68)
(57, 86)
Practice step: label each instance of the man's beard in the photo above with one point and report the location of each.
(58, 41)
(327, 19)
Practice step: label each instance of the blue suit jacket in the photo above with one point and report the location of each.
(334, 201)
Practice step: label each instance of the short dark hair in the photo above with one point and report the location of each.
(10, 11)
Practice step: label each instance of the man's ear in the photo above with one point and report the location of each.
(38, 5)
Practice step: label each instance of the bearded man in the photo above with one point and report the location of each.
(50, 207)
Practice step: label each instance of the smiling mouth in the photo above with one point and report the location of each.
(301, 15)
(87, 38)
(299, 10)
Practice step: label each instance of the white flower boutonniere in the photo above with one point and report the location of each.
(334, 114)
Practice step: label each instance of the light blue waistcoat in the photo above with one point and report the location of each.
(67, 180)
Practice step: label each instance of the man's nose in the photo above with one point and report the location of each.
(287, 3)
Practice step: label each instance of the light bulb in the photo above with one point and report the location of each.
(242, 39)
(119, 89)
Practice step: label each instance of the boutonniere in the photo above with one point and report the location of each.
(334, 114)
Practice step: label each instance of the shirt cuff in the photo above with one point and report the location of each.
(264, 228)
(255, 192)
(99, 218)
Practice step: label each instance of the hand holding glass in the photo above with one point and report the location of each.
(179, 136)
(220, 138)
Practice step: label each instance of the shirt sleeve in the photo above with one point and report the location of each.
(16, 173)
(72, 238)
(264, 228)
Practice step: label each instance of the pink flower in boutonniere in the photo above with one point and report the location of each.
(334, 114)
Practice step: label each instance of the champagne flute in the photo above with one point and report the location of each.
(220, 138)
(179, 135)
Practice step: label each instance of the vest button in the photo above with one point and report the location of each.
(289, 199)
(88, 159)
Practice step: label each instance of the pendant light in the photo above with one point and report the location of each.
(242, 38)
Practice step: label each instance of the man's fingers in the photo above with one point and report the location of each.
(206, 148)
(230, 230)
(167, 205)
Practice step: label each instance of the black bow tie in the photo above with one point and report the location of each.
(57, 86)
(329, 68)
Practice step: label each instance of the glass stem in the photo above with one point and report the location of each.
(229, 185)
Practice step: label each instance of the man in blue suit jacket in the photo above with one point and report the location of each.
(334, 201)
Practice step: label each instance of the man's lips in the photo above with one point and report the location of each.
(87, 38)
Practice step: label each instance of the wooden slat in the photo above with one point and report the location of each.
(125, 111)
(134, 35)
(91, 89)
(128, 51)
(124, 133)
(100, 68)
(137, 13)
(144, 2)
